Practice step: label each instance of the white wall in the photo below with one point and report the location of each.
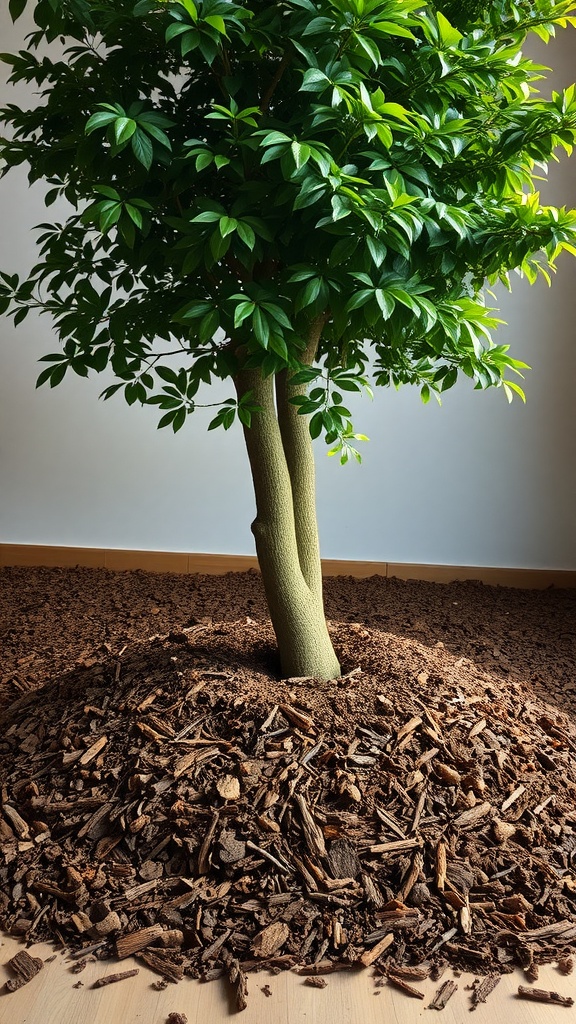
(477, 482)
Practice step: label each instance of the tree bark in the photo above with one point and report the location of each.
(285, 528)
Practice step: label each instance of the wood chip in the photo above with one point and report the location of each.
(470, 818)
(540, 995)
(133, 942)
(93, 751)
(399, 846)
(512, 798)
(442, 995)
(370, 956)
(270, 939)
(404, 986)
(297, 717)
(408, 728)
(25, 967)
(312, 833)
(228, 787)
(441, 865)
(482, 989)
(111, 979)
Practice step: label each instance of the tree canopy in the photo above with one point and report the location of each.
(240, 171)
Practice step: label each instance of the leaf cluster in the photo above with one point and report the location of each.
(239, 170)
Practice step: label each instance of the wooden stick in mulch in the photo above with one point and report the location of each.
(443, 994)
(111, 978)
(540, 995)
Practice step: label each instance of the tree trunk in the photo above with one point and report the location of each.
(285, 528)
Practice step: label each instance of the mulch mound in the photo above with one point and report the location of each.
(175, 801)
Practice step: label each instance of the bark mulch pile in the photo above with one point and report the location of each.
(171, 799)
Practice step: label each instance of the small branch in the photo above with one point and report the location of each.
(540, 995)
(111, 978)
(267, 97)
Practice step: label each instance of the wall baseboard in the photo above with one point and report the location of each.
(218, 565)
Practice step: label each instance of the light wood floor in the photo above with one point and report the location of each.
(50, 998)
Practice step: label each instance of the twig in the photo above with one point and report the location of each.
(268, 856)
(541, 995)
(111, 978)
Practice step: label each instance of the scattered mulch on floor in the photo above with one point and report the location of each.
(168, 797)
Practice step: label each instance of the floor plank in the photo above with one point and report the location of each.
(50, 998)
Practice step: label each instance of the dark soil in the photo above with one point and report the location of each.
(154, 768)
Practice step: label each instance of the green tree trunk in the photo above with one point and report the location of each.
(285, 528)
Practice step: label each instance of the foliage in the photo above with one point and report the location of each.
(241, 169)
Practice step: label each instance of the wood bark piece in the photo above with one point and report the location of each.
(410, 973)
(111, 979)
(25, 967)
(17, 821)
(441, 865)
(127, 945)
(393, 979)
(482, 989)
(408, 728)
(399, 846)
(271, 939)
(343, 859)
(228, 787)
(312, 833)
(443, 994)
(204, 854)
(239, 981)
(297, 717)
(313, 982)
(540, 995)
(469, 818)
(512, 798)
(370, 956)
(164, 962)
(93, 751)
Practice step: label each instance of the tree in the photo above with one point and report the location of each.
(290, 195)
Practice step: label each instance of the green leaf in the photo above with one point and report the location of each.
(135, 214)
(166, 420)
(227, 226)
(124, 128)
(100, 120)
(242, 311)
(16, 8)
(142, 148)
(166, 373)
(204, 160)
(106, 190)
(391, 28)
(261, 327)
(109, 217)
(377, 250)
(215, 21)
(246, 233)
(152, 129)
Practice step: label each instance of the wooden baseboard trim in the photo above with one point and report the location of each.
(218, 565)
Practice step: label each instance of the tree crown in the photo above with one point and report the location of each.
(242, 173)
